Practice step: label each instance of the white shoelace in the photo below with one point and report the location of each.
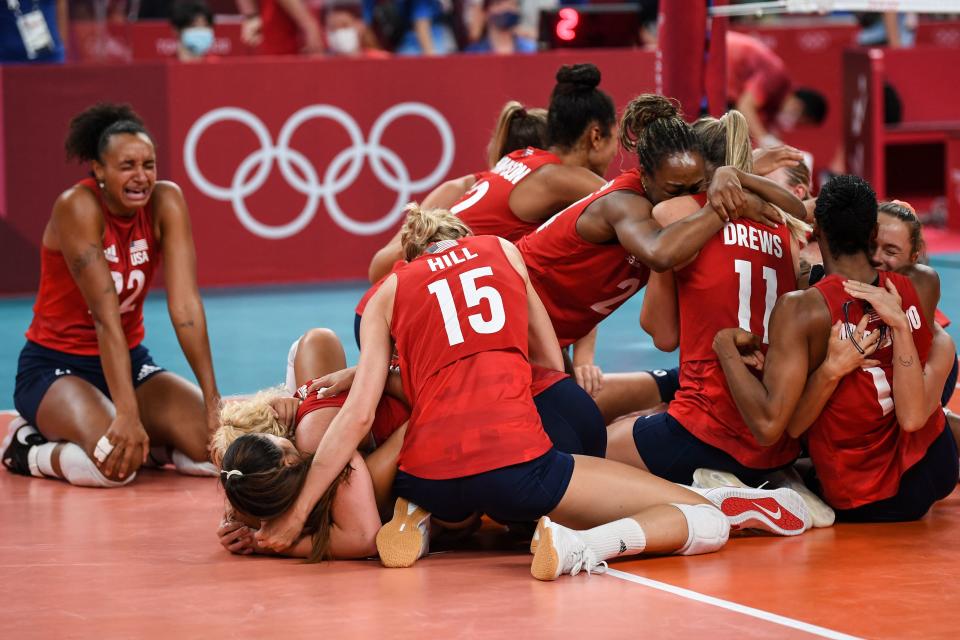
(585, 560)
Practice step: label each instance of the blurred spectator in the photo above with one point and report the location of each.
(347, 35)
(759, 87)
(501, 18)
(33, 30)
(887, 29)
(280, 27)
(423, 26)
(193, 22)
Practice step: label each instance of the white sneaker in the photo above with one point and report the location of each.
(406, 538)
(560, 550)
(820, 512)
(711, 479)
(779, 511)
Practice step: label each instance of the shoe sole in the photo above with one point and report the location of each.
(535, 540)
(546, 562)
(12, 428)
(752, 509)
(821, 514)
(400, 542)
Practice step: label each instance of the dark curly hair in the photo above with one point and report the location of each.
(90, 130)
(846, 215)
(575, 103)
(652, 126)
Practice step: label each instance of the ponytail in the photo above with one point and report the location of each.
(517, 128)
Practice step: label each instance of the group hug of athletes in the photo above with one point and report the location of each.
(813, 361)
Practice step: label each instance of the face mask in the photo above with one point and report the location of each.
(197, 40)
(505, 19)
(344, 41)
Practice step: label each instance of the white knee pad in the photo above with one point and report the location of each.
(190, 467)
(707, 527)
(292, 383)
(79, 470)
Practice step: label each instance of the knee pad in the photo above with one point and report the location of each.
(79, 470)
(707, 529)
(190, 467)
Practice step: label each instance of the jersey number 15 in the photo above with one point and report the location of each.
(473, 295)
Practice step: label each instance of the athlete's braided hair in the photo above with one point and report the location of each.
(258, 483)
(652, 127)
(90, 130)
(846, 214)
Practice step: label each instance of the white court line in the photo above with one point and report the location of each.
(813, 629)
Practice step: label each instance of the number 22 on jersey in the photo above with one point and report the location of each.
(474, 296)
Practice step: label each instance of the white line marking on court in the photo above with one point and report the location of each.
(823, 632)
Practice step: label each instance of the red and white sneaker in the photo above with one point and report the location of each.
(780, 511)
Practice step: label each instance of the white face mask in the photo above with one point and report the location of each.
(344, 41)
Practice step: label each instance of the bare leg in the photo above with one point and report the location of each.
(621, 446)
(382, 464)
(604, 490)
(624, 393)
(173, 413)
(319, 353)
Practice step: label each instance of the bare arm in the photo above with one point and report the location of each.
(356, 520)
(78, 225)
(660, 314)
(384, 259)
(183, 296)
(421, 28)
(351, 424)
(767, 405)
(447, 193)
(306, 22)
(773, 193)
(63, 22)
(544, 349)
(747, 105)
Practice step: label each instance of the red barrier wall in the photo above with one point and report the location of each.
(352, 155)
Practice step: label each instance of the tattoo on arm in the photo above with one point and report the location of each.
(905, 362)
(82, 261)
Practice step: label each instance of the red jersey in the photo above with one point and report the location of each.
(280, 33)
(486, 206)
(858, 448)
(734, 281)
(544, 378)
(460, 327)
(61, 318)
(579, 282)
(390, 415)
(941, 319)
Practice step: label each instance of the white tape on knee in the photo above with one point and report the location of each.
(190, 467)
(80, 470)
(707, 527)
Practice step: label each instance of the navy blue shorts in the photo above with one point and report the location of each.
(933, 478)
(518, 493)
(673, 453)
(356, 328)
(572, 420)
(39, 367)
(951, 384)
(668, 382)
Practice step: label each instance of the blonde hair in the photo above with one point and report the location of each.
(423, 227)
(517, 128)
(250, 415)
(726, 141)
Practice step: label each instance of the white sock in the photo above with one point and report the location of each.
(189, 467)
(622, 537)
(40, 460)
(80, 470)
(707, 529)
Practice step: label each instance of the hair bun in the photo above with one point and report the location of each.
(579, 77)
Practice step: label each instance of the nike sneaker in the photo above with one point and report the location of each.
(20, 438)
(406, 538)
(779, 511)
(560, 550)
(820, 512)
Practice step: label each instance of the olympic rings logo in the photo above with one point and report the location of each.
(340, 175)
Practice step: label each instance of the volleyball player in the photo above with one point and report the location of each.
(92, 398)
(876, 363)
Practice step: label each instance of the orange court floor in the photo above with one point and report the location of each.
(144, 562)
